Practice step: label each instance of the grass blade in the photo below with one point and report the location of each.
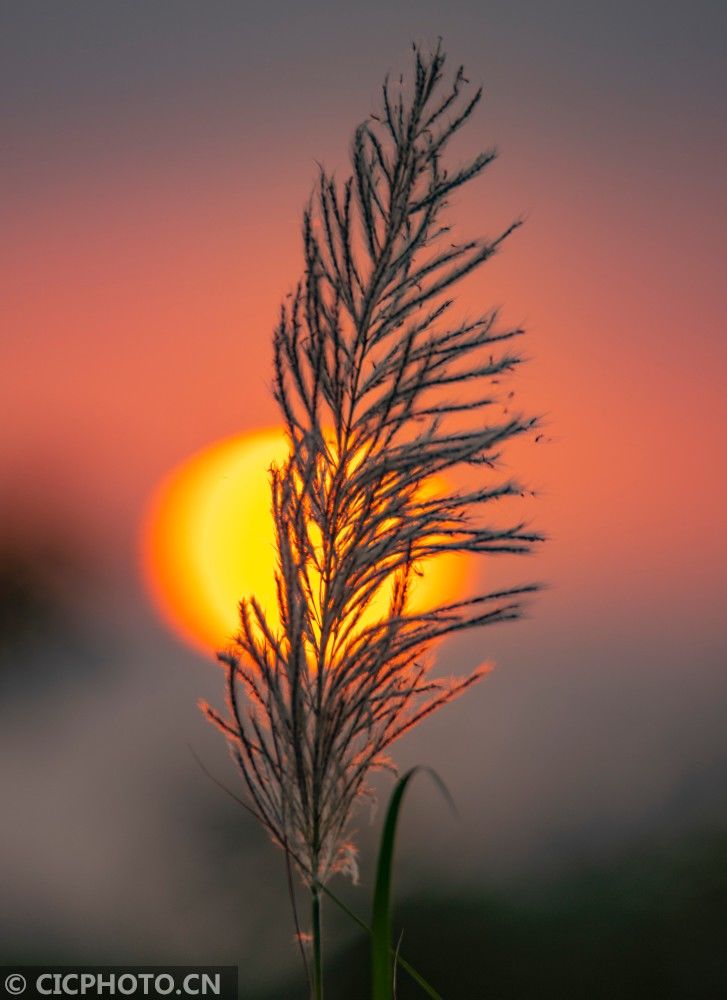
(382, 963)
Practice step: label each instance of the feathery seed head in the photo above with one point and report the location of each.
(378, 395)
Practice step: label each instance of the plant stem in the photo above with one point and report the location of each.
(317, 991)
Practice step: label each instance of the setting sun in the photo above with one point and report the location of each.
(208, 540)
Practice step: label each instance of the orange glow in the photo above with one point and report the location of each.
(209, 540)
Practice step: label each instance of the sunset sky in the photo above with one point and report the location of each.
(156, 168)
(156, 160)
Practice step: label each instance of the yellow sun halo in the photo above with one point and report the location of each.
(208, 540)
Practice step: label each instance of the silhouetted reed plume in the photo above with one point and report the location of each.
(379, 392)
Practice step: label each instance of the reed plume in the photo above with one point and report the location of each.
(379, 392)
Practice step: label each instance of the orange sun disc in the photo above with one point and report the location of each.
(209, 540)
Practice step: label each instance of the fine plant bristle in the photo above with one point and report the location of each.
(378, 392)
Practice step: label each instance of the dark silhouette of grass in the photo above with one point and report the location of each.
(381, 392)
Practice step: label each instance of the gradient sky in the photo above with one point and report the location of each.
(156, 161)
(156, 158)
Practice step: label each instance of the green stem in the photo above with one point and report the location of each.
(317, 993)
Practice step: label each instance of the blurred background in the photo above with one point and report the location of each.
(156, 159)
